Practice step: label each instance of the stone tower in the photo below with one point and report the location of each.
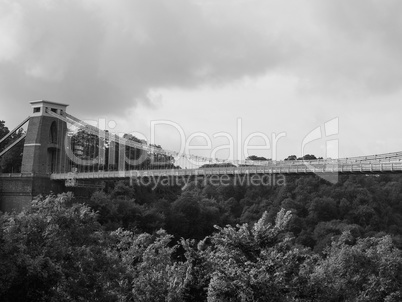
(43, 154)
(44, 143)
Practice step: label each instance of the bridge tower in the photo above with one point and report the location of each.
(44, 143)
(43, 154)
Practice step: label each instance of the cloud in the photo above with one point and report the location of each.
(105, 57)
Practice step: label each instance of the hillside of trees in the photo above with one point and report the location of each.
(306, 241)
(58, 251)
(366, 205)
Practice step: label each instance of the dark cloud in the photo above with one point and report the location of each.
(105, 56)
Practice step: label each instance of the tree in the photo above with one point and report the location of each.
(139, 158)
(186, 217)
(3, 129)
(308, 157)
(148, 259)
(157, 277)
(12, 160)
(257, 158)
(322, 209)
(370, 270)
(86, 147)
(56, 250)
(255, 264)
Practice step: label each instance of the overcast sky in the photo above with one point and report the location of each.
(277, 66)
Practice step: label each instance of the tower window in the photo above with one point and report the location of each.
(36, 110)
(54, 110)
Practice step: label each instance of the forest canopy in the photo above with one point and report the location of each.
(57, 250)
(306, 241)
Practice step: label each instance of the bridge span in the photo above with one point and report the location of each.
(283, 167)
(60, 149)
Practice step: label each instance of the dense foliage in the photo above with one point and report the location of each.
(11, 161)
(307, 241)
(88, 147)
(365, 205)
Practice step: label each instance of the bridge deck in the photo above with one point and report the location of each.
(293, 168)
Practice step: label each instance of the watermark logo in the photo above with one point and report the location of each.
(328, 168)
(92, 147)
(153, 180)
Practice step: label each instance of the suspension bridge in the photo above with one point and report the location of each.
(60, 150)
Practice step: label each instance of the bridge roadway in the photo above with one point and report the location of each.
(283, 167)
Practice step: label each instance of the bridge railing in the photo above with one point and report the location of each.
(281, 169)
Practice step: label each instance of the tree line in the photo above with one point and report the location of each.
(366, 205)
(306, 241)
(57, 250)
